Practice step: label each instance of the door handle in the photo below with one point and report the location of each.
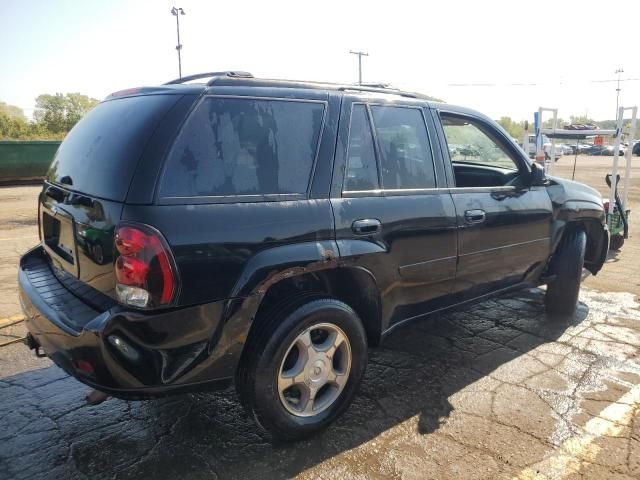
(475, 216)
(366, 226)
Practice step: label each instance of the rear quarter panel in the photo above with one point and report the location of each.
(215, 244)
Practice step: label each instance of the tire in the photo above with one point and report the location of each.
(566, 264)
(98, 253)
(616, 242)
(289, 345)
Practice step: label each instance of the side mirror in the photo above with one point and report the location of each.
(537, 178)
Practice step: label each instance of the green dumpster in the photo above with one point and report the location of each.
(25, 160)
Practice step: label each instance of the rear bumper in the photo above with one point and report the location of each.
(123, 352)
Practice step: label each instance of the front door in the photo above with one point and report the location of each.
(392, 219)
(504, 225)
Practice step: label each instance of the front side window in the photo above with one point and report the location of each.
(405, 154)
(362, 171)
(237, 146)
(471, 143)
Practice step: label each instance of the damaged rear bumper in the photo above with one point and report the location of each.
(122, 352)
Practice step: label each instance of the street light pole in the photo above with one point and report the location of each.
(618, 72)
(360, 55)
(176, 12)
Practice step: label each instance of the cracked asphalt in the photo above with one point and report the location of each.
(498, 390)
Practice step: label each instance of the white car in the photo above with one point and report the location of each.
(546, 146)
(566, 149)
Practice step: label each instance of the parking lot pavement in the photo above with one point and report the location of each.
(498, 390)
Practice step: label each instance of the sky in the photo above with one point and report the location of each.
(504, 58)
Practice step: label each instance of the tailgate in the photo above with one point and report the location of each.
(87, 184)
(77, 235)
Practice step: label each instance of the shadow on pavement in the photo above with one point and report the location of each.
(47, 430)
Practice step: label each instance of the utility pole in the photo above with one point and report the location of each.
(360, 55)
(618, 72)
(176, 12)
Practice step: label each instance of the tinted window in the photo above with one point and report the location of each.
(232, 146)
(406, 160)
(362, 172)
(100, 154)
(471, 142)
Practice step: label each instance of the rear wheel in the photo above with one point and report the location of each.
(303, 367)
(616, 242)
(566, 267)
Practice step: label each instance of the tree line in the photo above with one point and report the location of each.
(53, 117)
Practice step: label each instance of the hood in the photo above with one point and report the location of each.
(562, 191)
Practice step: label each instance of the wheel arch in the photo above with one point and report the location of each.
(355, 286)
(597, 238)
(597, 244)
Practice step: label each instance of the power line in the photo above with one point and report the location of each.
(616, 80)
(539, 84)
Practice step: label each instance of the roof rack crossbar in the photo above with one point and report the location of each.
(212, 75)
(364, 88)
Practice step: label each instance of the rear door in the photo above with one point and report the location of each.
(504, 225)
(392, 216)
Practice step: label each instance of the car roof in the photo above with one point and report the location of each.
(202, 82)
(198, 83)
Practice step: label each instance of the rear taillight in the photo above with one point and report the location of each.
(145, 272)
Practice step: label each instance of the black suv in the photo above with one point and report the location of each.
(267, 232)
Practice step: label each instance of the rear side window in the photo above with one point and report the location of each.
(237, 146)
(100, 154)
(405, 153)
(362, 172)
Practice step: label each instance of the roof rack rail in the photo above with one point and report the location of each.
(378, 88)
(377, 85)
(197, 76)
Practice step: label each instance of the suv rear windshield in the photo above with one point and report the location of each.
(237, 146)
(100, 154)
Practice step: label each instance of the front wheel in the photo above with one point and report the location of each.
(303, 368)
(566, 267)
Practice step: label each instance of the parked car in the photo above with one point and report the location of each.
(546, 146)
(464, 150)
(621, 151)
(268, 232)
(596, 150)
(572, 148)
(566, 149)
(636, 148)
(604, 150)
(583, 148)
